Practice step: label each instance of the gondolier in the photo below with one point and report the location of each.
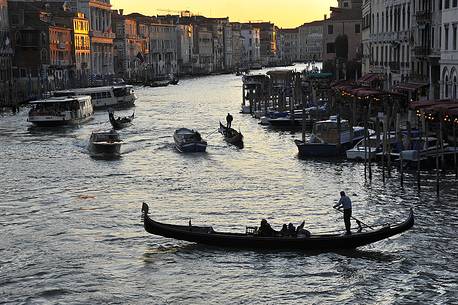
(229, 120)
(345, 203)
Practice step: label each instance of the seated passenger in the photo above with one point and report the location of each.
(284, 230)
(265, 229)
(291, 229)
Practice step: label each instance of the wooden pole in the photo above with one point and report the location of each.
(437, 163)
(303, 116)
(366, 140)
(456, 147)
(368, 135)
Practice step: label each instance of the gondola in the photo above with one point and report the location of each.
(250, 240)
(231, 135)
(120, 122)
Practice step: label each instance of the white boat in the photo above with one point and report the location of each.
(423, 148)
(325, 141)
(116, 97)
(105, 144)
(359, 151)
(61, 111)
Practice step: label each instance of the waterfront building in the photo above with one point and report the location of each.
(366, 37)
(342, 40)
(42, 49)
(6, 56)
(289, 45)
(6, 52)
(251, 42)
(386, 50)
(163, 49)
(185, 46)
(237, 45)
(129, 47)
(449, 50)
(268, 42)
(203, 48)
(426, 51)
(310, 38)
(99, 14)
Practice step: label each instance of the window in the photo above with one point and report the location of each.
(454, 4)
(357, 28)
(446, 37)
(330, 29)
(330, 48)
(454, 38)
(345, 4)
(446, 4)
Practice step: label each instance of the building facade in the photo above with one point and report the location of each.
(310, 41)
(185, 46)
(342, 40)
(163, 49)
(449, 50)
(386, 50)
(268, 42)
(289, 45)
(251, 43)
(6, 52)
(101, 34)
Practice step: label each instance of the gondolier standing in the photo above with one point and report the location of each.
(229, 120)
(345, 202)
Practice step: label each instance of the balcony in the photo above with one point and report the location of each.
(394, 66)
(421, 51)
(423, 16)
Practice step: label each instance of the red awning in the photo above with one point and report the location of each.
(410, 86)
(370, 77)
(430, 103)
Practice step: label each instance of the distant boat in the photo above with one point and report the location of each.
(105, 145)
(188, 140)
(325, 139)
(373, 147)
(61, 111)
(120, 122)
(231, 135)
(174, 80)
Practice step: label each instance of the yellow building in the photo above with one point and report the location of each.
(82, 45)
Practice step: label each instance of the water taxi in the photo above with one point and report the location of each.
(116, 97)
(61, 111)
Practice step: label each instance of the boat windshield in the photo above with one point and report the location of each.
(49, 108)
(120, 92)
(371, 143)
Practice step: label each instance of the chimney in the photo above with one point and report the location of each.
(121, 12)
(325, 16)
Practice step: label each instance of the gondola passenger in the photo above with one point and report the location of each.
(265, 229)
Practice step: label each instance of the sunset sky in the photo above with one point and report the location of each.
(287, 13)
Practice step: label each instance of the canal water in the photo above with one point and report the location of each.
(71, 232)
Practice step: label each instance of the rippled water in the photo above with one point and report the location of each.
(71, 231)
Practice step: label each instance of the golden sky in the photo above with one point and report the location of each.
(286, 13)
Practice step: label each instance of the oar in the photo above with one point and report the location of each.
(356, 219)
(212, 133)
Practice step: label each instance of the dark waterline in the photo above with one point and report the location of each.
(71, 231)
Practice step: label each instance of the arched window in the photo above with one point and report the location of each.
(44, 56)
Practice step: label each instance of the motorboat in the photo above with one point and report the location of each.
(363, 151)
(189, 140)
(105, 144)
(326, 141)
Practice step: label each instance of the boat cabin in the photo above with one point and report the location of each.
(105, 137)
(327, 130)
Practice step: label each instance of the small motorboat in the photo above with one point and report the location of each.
(251, 239)
(105, 145)
(120, 122)
(326, 140)
(188, 140)
(231, 135)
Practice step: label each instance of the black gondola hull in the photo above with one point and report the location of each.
(206, 235)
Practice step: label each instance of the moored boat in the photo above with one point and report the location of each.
(105, 145)
(326, 141)
(61, 111)
(120, 122)
(231, 135)
(188, 140)
(251, 240)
